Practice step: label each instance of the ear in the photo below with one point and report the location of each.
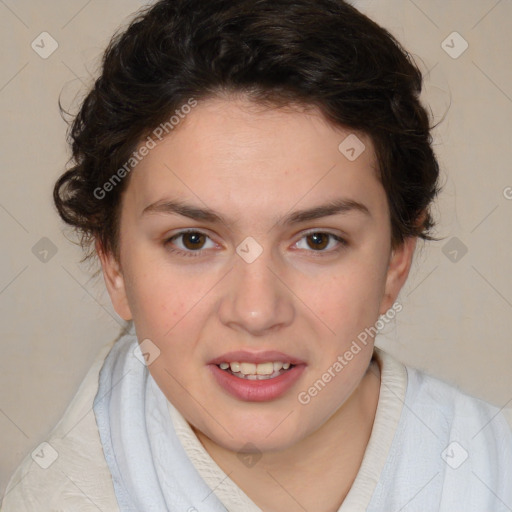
(114, 281)
(398, 270)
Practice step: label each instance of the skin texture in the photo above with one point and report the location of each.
(254, 165)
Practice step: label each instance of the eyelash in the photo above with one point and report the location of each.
(343, 243)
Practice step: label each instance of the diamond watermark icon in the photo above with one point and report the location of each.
(249, 250)
(454, 455)
(44, 455)
(454, 249)
(146, 352)
(352, 147)
(44, 45)
(249, 455)
(44, 250)
(454, 45)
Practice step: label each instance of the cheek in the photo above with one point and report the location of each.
(164, 302)
(350, 297)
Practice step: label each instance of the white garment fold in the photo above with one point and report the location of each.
(150, 470)
(450, 452)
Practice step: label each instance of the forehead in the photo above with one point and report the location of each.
(235, 154)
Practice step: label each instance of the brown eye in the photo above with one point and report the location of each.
(189, 243)
(193, 240)
(323, 243)
(319, 240)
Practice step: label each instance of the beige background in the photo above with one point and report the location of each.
(457, 316)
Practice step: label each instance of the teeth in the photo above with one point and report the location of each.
(259, 369)
(248, 368)
(265, 369)
(252, 370)
(257, 377)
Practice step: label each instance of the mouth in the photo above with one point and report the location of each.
(256, 376)
(252, 377)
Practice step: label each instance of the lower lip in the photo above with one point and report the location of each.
(257, 390)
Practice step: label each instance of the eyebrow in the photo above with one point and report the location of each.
(334, 207)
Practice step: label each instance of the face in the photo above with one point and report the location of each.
(249, 230)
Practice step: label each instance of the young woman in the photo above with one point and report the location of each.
(253, 176)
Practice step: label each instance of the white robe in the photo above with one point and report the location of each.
(432, 448)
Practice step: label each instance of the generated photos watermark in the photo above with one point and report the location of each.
(304, 397)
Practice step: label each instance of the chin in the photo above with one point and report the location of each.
(269, 436)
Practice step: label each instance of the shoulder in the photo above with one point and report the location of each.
(449, 403)
(479, 430)
(457, 444)
(438, 411)
(68, 471)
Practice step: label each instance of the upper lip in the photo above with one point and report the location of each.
(244, 356)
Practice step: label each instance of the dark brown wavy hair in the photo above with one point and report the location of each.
(318, 53)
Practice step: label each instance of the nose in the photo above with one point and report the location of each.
(256, 298)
